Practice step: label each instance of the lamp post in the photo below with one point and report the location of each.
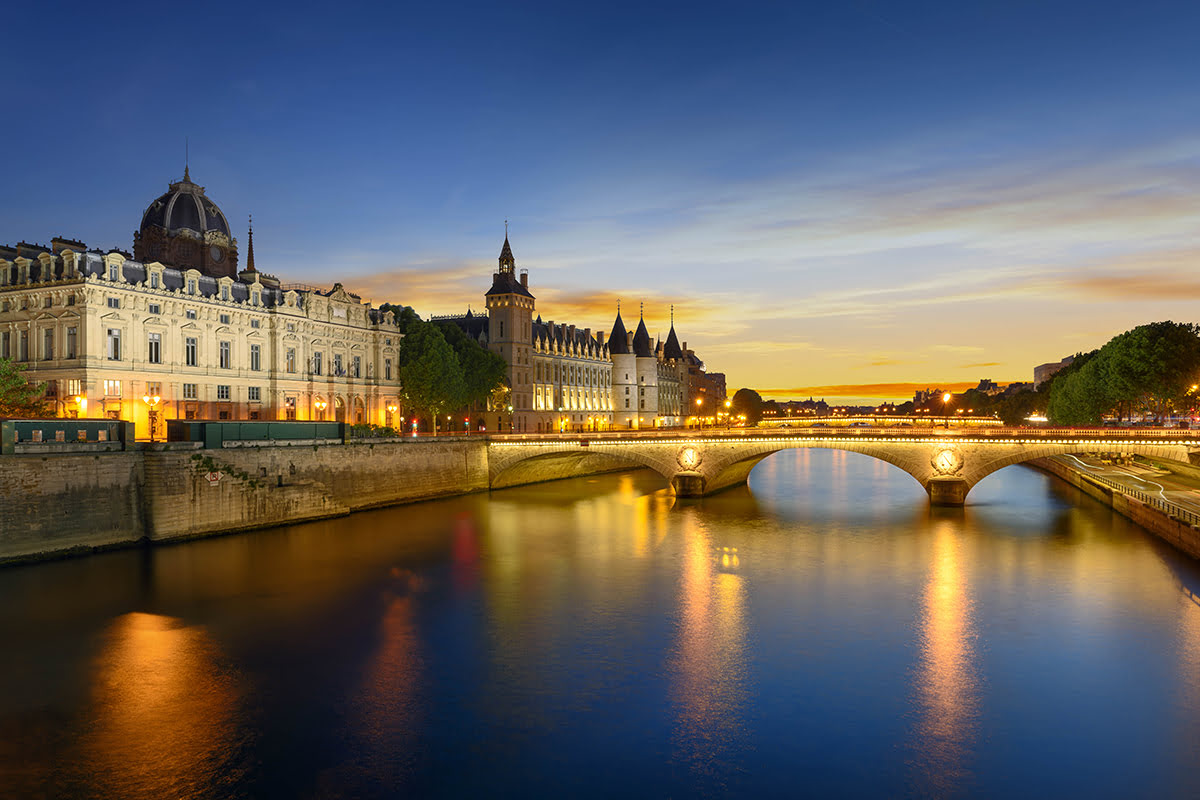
(699, 419)
(728, 405)
(320, 406)
(946, 408)
(152, 403)
(391, 412)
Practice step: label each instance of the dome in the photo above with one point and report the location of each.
(184, 206)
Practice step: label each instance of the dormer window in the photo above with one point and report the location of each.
(191, 286)
(112, 272)
(224, 292)
(155, 281)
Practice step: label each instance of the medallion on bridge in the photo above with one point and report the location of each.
(689, 458)
(947, 460)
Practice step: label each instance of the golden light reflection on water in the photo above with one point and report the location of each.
(946, 681)
(163, 713)
(709, 666)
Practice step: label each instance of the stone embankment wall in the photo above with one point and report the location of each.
(1178, 534)
(58, 504)
(69, 503)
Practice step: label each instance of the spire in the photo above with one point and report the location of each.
(672, 350)
(508, 264)
(186, 177)
(641, 341)
(250, 247)
(618, 341)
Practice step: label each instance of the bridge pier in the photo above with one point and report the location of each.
(688, 484)
(947, 491)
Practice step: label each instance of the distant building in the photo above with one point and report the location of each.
(1043, 372)
(563, 377)
(182, 324)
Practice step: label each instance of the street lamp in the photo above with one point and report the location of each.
(945, 408)
(699, 419)
(391, 411)
(728, 405)
(320, 406)
(152, 402)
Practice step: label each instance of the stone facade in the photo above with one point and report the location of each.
(105, 331)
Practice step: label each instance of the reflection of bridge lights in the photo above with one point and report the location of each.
(729, 558)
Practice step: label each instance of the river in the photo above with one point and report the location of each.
(823, 632)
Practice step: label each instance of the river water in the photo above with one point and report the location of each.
(822, 633)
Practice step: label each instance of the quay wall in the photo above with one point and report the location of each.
(68, 503)
(1174, 532)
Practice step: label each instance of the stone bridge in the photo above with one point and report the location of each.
(947, 463)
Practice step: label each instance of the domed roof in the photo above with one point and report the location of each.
(185, 206)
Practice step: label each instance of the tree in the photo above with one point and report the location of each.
(482, 370)
(430, 375)
(19, 397)
(748, 402)
(1150, 369)
(405, 316)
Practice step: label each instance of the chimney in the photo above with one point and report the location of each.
(571, 332)
(685, 347)
(629, 339)
(525, 278)
(600, 338)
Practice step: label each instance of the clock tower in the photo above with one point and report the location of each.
(510, 317)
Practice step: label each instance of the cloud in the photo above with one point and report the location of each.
(981, 364)
(879, 391)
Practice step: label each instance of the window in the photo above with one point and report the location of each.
(627, 403)
(501, 329)
(224, 319)
(222, 391)
(155, 281)
(189, 392)
(356, 367)
(291, 327)
(155, 309)
(224, 292)
(254, 394)
(114, 344)
(316, 368)
(154, 348)
(190, 354)
(48, 344)
(256, 300)
(112, 272)
(254, 323)
(291, 359)
(74, 387)
(337, 365)
(225, 355)
(48, 302)
(4, 306)
(5, 345)
(255, 357)
(191, 286)
(190, 313)
(70, 299)
(23, 346)
(387, 369)
(114, 302)
(72, 341)
(112, 388)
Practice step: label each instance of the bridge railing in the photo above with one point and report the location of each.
(891, 432)
(1166, 506)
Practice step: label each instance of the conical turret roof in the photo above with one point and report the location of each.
(641, 341)
(618, 340)
(672, 350)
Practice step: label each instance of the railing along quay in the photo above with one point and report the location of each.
(891, 432)
(1173, 510)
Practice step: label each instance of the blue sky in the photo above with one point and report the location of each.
(838, 198)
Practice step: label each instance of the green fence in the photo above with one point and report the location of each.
(214, 435)
(64, 435)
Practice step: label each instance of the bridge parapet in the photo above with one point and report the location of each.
(947, 464)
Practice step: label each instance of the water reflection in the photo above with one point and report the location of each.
(708, 668)
(164, 713)
(946, 683)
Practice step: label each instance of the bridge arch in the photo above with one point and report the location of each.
(946, 466)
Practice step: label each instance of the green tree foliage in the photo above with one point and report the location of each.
(482, 370)
(1149, 369)
(405, 316)
(430, 376)
(748, 402)
(19, 397)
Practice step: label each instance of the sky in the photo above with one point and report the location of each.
(846, 200)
